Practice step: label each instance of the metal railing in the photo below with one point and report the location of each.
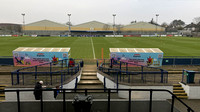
(50, 73)
(132, 73)
(181, 60)
(189, 109)
(190, 77)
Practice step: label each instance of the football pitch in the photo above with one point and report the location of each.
(91, 47)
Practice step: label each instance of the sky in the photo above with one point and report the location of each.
(100, 10)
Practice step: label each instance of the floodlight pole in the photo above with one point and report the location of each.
(69, 25)
(157, 24)
(23, 14)
(114, 24)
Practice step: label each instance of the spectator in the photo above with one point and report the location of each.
(56, 92)
(38, 90)
(71, 62)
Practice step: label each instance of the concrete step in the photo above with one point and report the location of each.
(3, 85)
(183, 97)
(2, 95)
(2, 100)
(89, 78)
(178, 91)
(180, 94)
(90, 82)
(89, 74)
(2, 88)
(89, 71)
(177, 88)
(176, 85)
(90, 87)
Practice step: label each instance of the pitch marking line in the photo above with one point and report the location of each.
(93, 48)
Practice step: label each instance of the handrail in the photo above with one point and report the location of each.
(142, 72)
(35, 71)
(189, 109)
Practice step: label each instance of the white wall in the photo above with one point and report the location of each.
(109, 83)
(144, 94)
(71, 85)
(10, 96)
(138, 94)
(193, 92)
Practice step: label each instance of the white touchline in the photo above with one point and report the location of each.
(93, 48)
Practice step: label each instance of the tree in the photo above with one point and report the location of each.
(196, 20)
(118, 28)
(179, 24)
(165, 25)
(133, 22)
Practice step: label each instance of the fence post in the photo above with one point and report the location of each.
(64, 103)
(61, 79)
(41, 101)
(23, 77)
(108, 100)
(183, 75)
(85, 92)
(120, 65)
(150, 103)
(104, 80)
(172, 105)
(161, 76)
(129, 105)
(12, 78)
(35, 74)
(142, 73)
(76, 83)
(18, 101)
(117, 80)
(18, 77)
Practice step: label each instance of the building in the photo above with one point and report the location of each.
(45, 28)
(10, 29)
(142, 28)
(92, 28)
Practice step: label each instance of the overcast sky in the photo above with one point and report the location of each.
(100, 10)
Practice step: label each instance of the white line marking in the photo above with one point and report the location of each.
(93, 48)
(51, 49)
(152, 50)
(60, 49)
(144, 50)
(127, 50)
(24, 49)
(42, 49)
(118, 50)
(135, 50)
(33, 49)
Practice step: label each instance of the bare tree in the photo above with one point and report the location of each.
(165, 25)
(196, 20)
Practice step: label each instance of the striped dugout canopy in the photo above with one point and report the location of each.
(40, 49)
(136, 50)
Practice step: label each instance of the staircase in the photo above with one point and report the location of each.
(179, 91)
(2, 94)
(89, 79)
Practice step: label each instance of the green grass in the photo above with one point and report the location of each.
(81, 47)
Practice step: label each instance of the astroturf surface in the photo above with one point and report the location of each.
(82, 47)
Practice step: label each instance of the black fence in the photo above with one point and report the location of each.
(132, 73)
(108, 91)
(181, 60)
(50, 73)
(6, 60)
